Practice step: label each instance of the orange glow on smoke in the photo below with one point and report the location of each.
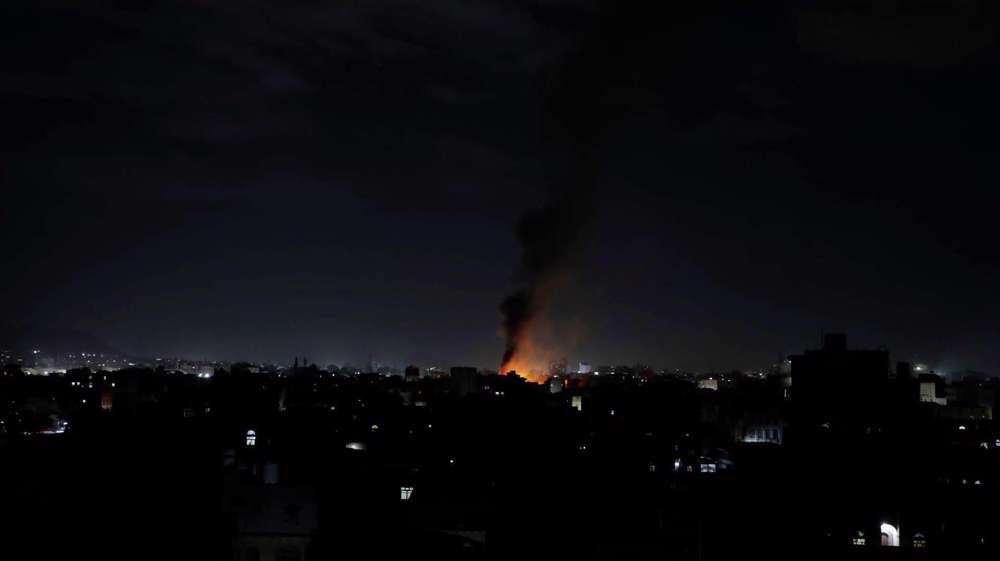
(530, 362)
(542, 341)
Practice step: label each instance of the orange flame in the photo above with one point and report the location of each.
(531, 363)
(543, 341)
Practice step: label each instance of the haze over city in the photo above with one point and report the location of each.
(225, 181)
(559, 279)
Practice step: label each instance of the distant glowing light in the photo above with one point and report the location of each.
(251, 438)
(708, 384)
(356, 446)
(405, 493)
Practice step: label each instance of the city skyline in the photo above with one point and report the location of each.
(488, 279)
(344, 181)
(59, 358)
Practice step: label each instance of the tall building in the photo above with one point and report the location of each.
(464, 379)
(836, 385)
(928, 386)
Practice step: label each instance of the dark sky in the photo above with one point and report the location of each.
(258, 179)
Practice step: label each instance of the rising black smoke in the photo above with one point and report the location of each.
(547, 235)
(628, 57)
(580, 110)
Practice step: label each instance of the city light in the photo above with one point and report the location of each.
(890, 535)
(347, 223)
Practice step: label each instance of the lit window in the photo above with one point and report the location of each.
(405, 493)
(708, 468)
(652, 468)
(858, 541)
(251, 438)
(919, 542)
(889, 535)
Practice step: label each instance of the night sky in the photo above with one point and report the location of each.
(259, 180)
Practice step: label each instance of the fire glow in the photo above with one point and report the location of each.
(528, 362)
(538, 342)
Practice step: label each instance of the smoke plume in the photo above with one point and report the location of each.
(577, 119)
(585, 96)
(547, 235)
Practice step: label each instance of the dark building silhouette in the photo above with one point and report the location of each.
(464, 380)
(904, 371)
(837, 386)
